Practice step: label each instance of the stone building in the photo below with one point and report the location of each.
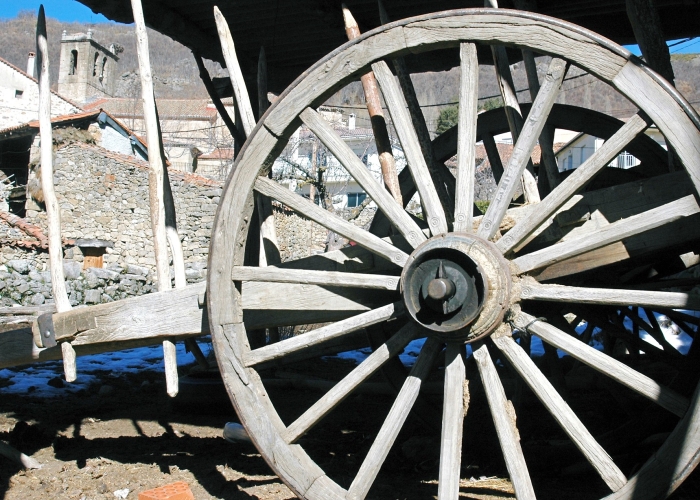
(19, 96)
(87, 69)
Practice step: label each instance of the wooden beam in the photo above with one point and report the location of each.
(649, 34)
(309, 277)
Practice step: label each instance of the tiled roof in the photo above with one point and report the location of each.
(24, 73)
(32, 236)
(218, 154)
(167, 108)
(57, 120)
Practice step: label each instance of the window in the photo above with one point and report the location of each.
(94, 64)
(355, 199)
(73, 67)
(18, 94)
(102, 71)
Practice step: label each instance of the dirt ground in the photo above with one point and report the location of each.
(134, 437)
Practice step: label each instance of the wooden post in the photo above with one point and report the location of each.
(53, 214)
(263, 103)
(646, 25)
(234, 72)
(156, 187)
(512, 109)
(206, 80)
(376, 115)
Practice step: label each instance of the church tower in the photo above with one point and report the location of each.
(87, 70)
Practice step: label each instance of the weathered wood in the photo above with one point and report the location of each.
(27, 462)
(309, 277)
(53, 213)
(531, 290)
(562, 413)
(234, 70)
(517, 236)
(269, 246)
(69, 368)
(387, 162)
(170, 362)
(394, 421)
(504, 419)
(389, 206)
(350, 382)
(330, 221)
(617, 231)
(323, 334)
(548, 163)
(214, 96)
(523, 148)
(649, 34)
(453, 411)
(641, 384)
(435, 214)
(468, 108)
(494, 157)
(263, 103)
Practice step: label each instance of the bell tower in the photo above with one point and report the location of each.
(86, 69)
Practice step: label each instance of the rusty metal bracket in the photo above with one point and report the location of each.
(46, 330)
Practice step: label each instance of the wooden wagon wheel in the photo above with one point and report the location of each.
(456, 285)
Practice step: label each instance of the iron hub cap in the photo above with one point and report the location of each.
(457, 286)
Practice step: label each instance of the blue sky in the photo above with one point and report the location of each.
(63, 10)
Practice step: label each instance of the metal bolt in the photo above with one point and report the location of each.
(441, 289)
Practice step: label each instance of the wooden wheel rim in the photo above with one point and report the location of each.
(678, 455)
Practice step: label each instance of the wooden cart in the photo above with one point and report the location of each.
(474, 287)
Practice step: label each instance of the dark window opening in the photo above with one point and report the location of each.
(94, 64)
(73, 62)
(356, 199)
(102, 71)
(18, 94)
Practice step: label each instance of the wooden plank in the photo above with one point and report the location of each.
(504, 419)
(435, 214)
(69, 368)
(308, 277)
(53, 213)
(641, 384)
(453, 411)
(328, 220)
(611, 233)
(269, 246)
(323, 334)
(532, 290)
(388, 205)
(523, 148)
(350, 382)
(562, 413)
(518, 236)
(234, 70)
(394, 421)
(468, 108)
(387, 162)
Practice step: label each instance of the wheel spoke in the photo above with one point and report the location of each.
(647, 387)
(611, 233)
(350, 382)
(609, 297)
(468, 100)
(320, 335)
(453, 412)
(330, 221)
(394, 421)
(386, 203)
(307, 277)
(411, 148)
(494, 157)
(561, 411)
(518, 236)
(504, 420)
(523, 148)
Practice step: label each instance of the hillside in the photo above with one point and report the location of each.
(176, 75)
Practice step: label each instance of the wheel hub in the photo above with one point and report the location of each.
(457, 286)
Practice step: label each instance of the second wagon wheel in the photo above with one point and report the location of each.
(476, 286)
